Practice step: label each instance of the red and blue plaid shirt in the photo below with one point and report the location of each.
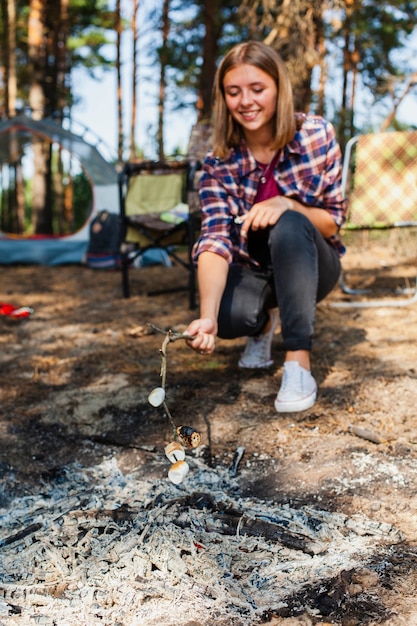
(308, 170)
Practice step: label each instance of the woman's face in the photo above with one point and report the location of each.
(251, 97)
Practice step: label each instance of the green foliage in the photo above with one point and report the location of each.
(375, 31)
(369, 44)
(86, 14)
(380, 29)
(86, 51)
(92, 22)
(82, 200)
(184, 51)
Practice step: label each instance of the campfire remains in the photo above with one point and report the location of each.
(102, 547)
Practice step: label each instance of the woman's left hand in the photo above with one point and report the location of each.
(266, 213)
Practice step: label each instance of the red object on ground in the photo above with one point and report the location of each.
(16, 312)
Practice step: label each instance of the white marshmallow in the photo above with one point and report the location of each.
(175, 451)
(178, 471)
(157, 396)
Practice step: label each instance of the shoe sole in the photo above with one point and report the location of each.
(296, 406)
(259, 366)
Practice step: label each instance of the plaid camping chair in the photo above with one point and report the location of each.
(380, 182)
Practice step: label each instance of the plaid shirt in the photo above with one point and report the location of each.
(308, 170)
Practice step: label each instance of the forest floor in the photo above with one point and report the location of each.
(315, 524)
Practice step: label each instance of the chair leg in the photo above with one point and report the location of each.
(192, 289)
(380, 302)
(350, 290)
(191, 267)
(375, 303)
(125, 275)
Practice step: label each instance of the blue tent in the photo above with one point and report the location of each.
(16, 135)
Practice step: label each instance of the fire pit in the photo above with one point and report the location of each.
(101, 547)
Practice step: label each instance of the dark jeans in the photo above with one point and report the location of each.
(300, 269)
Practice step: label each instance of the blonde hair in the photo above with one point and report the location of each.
(227, 132)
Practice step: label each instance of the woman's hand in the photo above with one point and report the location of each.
(202, 334)
(266, 213)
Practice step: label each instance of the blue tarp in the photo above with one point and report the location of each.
(42, 251)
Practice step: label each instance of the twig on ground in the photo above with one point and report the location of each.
(364, 433)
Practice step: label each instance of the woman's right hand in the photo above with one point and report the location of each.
(202, 332)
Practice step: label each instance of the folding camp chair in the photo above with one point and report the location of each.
(155, 217)
(380, 181)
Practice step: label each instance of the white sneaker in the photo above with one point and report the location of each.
(257, 353)
(298, 389)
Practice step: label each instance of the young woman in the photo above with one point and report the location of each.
(272, 206)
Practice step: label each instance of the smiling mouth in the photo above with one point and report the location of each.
(249, 115)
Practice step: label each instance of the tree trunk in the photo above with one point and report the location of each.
(162, 79)
(346, 70)
(36, 59)
(391, 117)
(37, 104)
(11, 59)
(61, 58)
(119, 82)
(321, 47)
(4, 64)
(17, 203)
(135, 39)
(210, 54)
(55, 37)
(354, 60)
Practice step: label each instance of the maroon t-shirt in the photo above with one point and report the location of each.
(267, 187)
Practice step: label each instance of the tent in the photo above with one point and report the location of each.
(16, 134)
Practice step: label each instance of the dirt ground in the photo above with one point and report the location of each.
(74, 383)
